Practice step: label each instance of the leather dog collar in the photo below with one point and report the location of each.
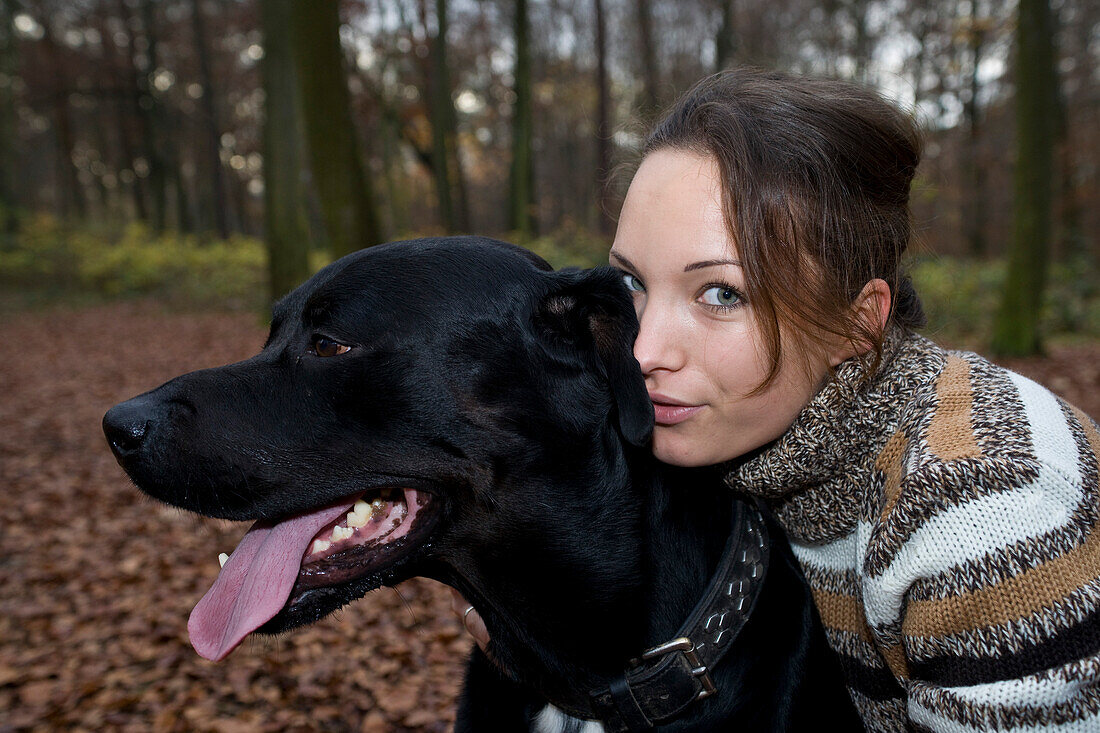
(667, 679)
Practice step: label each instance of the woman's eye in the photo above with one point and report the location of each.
(322, 346)
(632, 283)
(721, 296)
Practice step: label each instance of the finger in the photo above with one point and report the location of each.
(475, 626)
(458, 603)
(471, 619)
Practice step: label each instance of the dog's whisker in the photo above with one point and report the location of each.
(409, 608)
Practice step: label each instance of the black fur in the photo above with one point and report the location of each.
(510, 393)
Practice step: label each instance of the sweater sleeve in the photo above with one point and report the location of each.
(981, 584)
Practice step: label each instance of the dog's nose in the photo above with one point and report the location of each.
(125, 426)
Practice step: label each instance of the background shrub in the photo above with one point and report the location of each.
(47, 261)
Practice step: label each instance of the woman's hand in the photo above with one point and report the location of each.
(471, 620)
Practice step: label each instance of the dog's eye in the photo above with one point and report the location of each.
(322, 346)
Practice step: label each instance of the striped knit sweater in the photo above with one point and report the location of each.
(945, 516)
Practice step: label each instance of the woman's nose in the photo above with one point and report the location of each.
(658, 345)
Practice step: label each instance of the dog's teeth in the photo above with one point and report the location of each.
(341, 533)
(321, 545)
(222, 558)
(377, 504)
(360, 514)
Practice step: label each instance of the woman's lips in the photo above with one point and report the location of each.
(668, 411)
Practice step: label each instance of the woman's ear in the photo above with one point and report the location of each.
(872, 311)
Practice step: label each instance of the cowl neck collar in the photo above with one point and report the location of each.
(815, 476)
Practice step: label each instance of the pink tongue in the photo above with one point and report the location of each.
(255, 582)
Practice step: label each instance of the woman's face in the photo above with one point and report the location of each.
(699, 346)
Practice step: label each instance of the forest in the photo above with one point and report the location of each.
(168, 168)
(322, 127)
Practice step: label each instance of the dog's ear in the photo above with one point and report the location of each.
(593, 309)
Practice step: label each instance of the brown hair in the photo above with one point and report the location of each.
(815, 190)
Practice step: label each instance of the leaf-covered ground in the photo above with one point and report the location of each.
(96, 581)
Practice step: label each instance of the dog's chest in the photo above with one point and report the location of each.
(552, 720)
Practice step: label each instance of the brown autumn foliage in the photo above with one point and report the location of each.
(96, 581)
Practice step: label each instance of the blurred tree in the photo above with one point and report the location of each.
(9, 208)
(121, 80)
(1080, 66)
(70, 194)
(446, 165)
(149, 110)
(284, 223)
(396, 185)
(1016, 330)
(140, 144)
(918, 16)
(726, 42)
(862, 42)
(218, 200)
(650, 101)
(603, 124)
(976, 27)
(522, 180)
(342, 186)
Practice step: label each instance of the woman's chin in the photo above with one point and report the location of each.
(678, 445)
(677, 449)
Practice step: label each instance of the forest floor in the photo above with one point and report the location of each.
(96, 581)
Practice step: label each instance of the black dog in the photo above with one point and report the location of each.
(452, 408)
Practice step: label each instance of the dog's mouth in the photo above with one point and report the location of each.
(278, 565)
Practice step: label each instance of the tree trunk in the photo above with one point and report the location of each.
(9, 204)
(1016, 331)
(148, 109)
(650, 102)
(974, 212)
(862, 41)
(522, 181)
(726, 43)
(210, 124)
(396, 192)
(174, 129)
(1072, 243)
(440, 95)
(1078, 243)
(389, 149)
(921, 32)
(70, 193)
(603, 124)
(284, 222)
(122, 122)
(342, 185)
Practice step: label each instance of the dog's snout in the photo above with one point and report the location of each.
(125, 426)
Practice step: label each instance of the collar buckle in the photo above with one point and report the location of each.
(685, 646)
(665, 680)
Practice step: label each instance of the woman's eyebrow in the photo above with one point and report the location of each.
(710, 263)
(693, 266)
(615, 255)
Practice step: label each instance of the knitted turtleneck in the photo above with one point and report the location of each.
(814, 475)
(946, 514)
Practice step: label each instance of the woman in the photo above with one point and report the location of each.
(942, 508)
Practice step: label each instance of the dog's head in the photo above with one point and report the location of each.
(414, 405)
